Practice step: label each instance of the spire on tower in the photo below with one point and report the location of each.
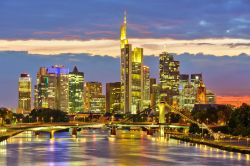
(125, 17)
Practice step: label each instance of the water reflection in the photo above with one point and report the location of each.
(93, 147)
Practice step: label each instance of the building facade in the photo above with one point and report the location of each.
(146, 87)
(24, 93)
(113, 97)
(52, 88)
(169, 78)
(92, 91)
(76, 85)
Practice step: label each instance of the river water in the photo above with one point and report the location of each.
(93, 147)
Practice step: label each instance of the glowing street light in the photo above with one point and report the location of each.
(51, 119)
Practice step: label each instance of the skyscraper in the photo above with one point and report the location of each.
(146, 87)
(187, 94)
(41, 89)
(92, 94)
(169, 77)
(131, 74)
(52, 88)
(113, 97)
(76, 84)
(24, 93)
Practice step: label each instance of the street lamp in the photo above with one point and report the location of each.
(207, 120)
(42, 119)
(37, 118)
(51, 119)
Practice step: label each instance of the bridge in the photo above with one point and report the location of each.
(53, 127)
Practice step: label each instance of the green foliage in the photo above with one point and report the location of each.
(46, 114)
(194, 128)
(239, 123)
(213, 114)
(6, 116)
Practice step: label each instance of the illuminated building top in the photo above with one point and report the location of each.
(123, 36)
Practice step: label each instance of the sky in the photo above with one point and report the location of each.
(211, 37)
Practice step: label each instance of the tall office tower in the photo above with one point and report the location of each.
(184, 80)
(24, 93)
(52, 88)
(113, 97)
(146, 87)
(201, 93)
(58, 90)
(41, 89)
(137, 80)
(187, 95)
(169, 78)
(76, 84)
(152, 90)
(131, 74)
(91, 90)
(210, 97)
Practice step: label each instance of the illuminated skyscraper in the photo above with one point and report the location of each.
(41, 89)
(92, 94)
(24, 93)
(113, 97)
(169, 78)
(187, 93)
(52, 88)
(76, 84)
(131, 74)
(146, 87)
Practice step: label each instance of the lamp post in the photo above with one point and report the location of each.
(37, 118)
(207, 120)
(51, 119)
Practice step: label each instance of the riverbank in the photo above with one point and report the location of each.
(9, 134)
(215, 144)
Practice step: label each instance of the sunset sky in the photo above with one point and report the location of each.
(207, 36)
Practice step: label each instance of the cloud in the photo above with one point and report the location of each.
(152, 46)
(179, 19)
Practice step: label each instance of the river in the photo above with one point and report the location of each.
(93, 147)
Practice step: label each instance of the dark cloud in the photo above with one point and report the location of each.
(181, 19)
(225, 75)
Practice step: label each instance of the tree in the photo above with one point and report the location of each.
(239, 122)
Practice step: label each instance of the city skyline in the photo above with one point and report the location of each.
(203, 48)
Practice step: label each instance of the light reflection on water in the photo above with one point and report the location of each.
(93, 147)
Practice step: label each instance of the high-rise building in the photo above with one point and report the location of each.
(137, 80)
(131, 74)
(24, 93)
(41, 89)
(187, 94)
(98, 104)
(169, 78)
(146, 87)
(76, 84)
(52, 88)
(92, 91)
(113, 97)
